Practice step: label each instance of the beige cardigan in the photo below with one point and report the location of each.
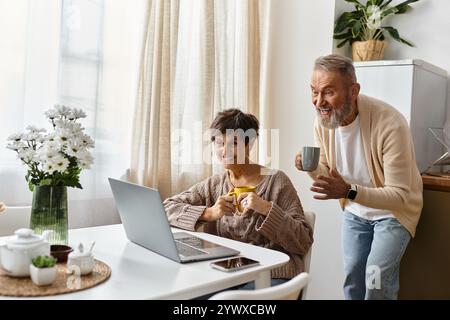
(390, 158)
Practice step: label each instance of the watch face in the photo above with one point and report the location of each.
(351, 194)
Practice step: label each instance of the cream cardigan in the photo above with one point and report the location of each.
(390, 159)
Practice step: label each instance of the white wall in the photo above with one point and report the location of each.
(300, 32)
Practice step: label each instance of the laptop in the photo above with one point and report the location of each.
(145, 222)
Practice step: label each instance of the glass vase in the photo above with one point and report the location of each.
(49, 212)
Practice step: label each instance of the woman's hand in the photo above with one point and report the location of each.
(223, 206)
(298, 162)
(2, 207)
(253, 201)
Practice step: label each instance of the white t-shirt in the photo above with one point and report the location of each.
(351, 164)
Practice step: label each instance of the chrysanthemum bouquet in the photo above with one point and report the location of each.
(55, 158)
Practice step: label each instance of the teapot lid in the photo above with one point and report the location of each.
(24, 236)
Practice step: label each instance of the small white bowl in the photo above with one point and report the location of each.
(42, 276)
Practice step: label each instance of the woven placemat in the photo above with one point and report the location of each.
(64, 283)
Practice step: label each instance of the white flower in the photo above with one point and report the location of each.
(17, 145)
(49, 168)
(34, 129)
(77, 114)
(85, 160)
(374, 18)
(62, 110)
(51, 114)
(53, 146)
(61, 164)
(15, 137)
(63, 136)
(41, 139)
(373, 9)
(27, 155)
(32, 136)
(87, 141)
(74, 150)
(373, 24)
(12, 147)
(46, 153)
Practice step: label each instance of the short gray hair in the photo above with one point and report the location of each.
(336, 62)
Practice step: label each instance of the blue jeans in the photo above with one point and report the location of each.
(372, 254)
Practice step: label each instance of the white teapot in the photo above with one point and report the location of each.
(16, 254)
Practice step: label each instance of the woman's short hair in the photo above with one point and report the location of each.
(235, 119)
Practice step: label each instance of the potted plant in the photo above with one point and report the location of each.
(43, 270)
(363, 28)
(55, 160)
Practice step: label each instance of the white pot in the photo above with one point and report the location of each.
(81, 265)
(16, 254)
(42, 276)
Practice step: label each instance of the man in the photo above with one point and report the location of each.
(367, 161)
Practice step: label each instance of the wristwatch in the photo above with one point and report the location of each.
(352, 192)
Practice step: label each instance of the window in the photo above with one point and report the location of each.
(82, 53)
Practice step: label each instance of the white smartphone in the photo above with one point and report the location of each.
(234, 264)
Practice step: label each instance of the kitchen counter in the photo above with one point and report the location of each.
(436, 181)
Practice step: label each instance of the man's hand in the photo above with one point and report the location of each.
(333, 187)
(252, 201)
(298, 162)
(223, 206)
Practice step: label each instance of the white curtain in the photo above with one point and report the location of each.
(201, 56)
(81, 53)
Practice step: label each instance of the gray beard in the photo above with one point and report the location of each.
(337, 117)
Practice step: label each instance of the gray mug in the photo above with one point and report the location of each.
(310, 158)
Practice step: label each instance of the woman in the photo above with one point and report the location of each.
(272, 217)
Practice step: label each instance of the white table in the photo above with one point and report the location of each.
(138, 273)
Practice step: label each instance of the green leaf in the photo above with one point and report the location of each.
(356, 29)
(345, 35)
(389, 11)
(404, 6)
(385, 5)
(45, 182)
(44, 261)
(344, 21)
(394, 34)
(356, 3)
(374, 2)
(31, 186)
(341, 44)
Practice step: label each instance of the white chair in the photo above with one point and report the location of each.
(14, 218)
(286, 291)
(311, 218)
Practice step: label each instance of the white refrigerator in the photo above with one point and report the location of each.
(418, 90)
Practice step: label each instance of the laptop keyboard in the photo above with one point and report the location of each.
(192, 241)
(186, 250)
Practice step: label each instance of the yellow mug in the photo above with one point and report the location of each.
(236, 193)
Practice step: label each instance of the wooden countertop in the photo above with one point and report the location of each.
(436, 181)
